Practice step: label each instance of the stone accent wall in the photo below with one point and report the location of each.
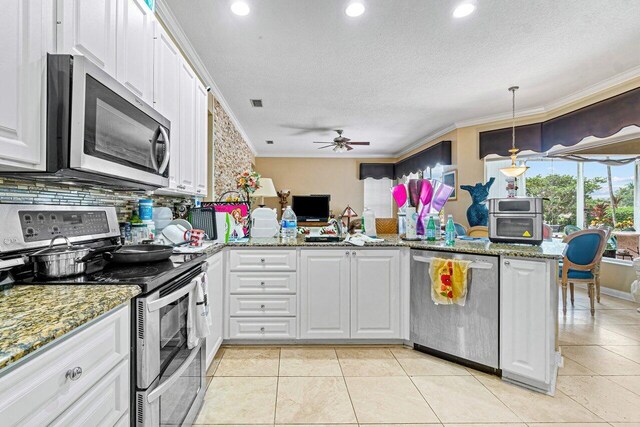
(34, 192)
(232, 154)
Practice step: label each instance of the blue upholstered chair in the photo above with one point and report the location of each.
(460, 229)
(581, 262)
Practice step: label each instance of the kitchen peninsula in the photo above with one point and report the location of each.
(301, 292)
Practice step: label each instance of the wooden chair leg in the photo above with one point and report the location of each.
(598, 287)
(564, 298)
(592, 297)
(572, 291)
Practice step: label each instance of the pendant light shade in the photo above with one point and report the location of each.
(514, 170)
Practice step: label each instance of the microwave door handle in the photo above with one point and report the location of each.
(163, 386)
(174, 296)
(154, 149)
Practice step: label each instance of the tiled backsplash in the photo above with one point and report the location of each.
(33, 192)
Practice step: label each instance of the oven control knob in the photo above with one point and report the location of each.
(74, 374)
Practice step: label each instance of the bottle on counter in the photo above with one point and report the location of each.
(450, 231)
(369, 223)
(289, 225)
(145, 209)
(431, 229)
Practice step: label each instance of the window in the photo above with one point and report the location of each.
(377, 196)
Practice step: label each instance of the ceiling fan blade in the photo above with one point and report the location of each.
(359, 143)
(326, 146)
(322, 142)
(349, 148)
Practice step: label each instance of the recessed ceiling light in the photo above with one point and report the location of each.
(463, 10)
(354, 9)
(240, 8)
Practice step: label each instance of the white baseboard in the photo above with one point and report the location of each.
(611, 292)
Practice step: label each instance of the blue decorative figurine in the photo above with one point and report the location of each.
(478, 214)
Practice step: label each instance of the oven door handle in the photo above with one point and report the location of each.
(174, 296)
(154, 149)
(163, 386)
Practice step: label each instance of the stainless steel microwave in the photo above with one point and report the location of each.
(99, 132)
(516, 220)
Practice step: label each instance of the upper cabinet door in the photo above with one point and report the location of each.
(89, 28)
(135, 48)
(375, 293)
(166, 95)
(201, 160)
(27, 30)
(187, 90)
(324, 293)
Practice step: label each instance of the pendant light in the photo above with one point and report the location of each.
(514, 170)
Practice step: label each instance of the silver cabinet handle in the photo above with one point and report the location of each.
(73, 374)
(353, 253)
(261, 305)
(347, 253)
(154, 149)
(507, 263)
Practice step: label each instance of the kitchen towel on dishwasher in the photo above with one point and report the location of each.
(198, 316)
(449, 280)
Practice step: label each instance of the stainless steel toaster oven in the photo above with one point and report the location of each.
(516, 220)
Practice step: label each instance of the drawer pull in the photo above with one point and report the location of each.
(74, 374)
(262, 306)
(353, 253)
(262, 283)
(262, 329)
(507, 263)
(262, 260)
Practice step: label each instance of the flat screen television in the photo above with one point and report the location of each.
(311, 208)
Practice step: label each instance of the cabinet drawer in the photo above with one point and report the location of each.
(262, 283)
(250, 260)
(263, 305)
(262, 328)
(104, 405)
(39, 391)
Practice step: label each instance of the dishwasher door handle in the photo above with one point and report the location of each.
(479, 265)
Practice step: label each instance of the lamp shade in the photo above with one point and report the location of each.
(267, 189)
(349, 212)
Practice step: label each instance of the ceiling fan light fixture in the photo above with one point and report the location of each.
(354, 9)
(464, 9)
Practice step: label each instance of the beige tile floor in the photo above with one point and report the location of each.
(599, 384)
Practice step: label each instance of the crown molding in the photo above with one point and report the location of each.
(426, 139)
(168, 18)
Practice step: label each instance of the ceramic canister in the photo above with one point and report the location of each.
(412, 222)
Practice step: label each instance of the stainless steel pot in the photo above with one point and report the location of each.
(62, 261)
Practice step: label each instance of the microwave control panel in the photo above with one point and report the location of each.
(45, 225)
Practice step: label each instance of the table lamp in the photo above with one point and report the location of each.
(266, 189)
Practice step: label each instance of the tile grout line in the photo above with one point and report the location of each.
(346, 386)
(416, 387)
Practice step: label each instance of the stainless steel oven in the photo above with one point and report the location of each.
(170, 378)
(97, 129)
(516, 220)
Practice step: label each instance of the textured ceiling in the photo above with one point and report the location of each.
(403, 70)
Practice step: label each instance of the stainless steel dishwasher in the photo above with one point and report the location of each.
(466, 334)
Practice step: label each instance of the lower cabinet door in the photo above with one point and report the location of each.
(324, 293)
(104, 405)
(215, 278)
(375, 294)
(524, 313)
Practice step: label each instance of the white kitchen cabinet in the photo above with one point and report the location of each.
(187, 127)
(135, 48)
(201, 139)
(526, 321)
(166, 96)
(41, 391)
(375, 293)
(27, 33)
(324, 293)
(215, 276)
(89, 29)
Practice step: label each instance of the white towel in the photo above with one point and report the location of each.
(198, 317)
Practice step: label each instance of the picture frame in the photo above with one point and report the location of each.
(450, 178)
(240, 216)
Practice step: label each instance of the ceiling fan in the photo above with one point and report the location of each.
(340, 143)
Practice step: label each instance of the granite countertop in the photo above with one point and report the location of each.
(32, 316)
(548, 250)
